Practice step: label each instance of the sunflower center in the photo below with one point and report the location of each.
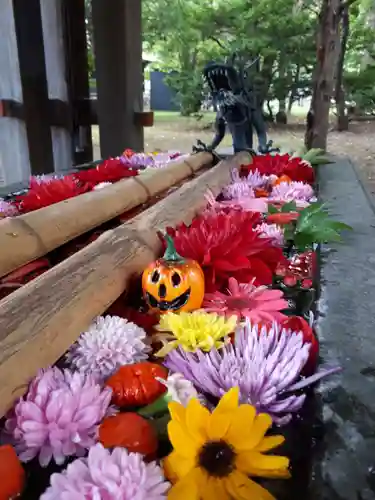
(217, 458)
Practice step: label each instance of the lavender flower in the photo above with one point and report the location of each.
(58, 417)
(299, 192)
(241, 187)
(264, 364)
(110, 342)
(273, 231)
(109, 475)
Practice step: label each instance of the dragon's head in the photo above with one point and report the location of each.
(221, 77)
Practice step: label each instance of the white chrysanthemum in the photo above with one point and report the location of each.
(110, 342)
(179, 388)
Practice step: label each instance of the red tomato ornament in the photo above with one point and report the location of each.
(299, 324)
(136, 385)
(300, 270)
(12, 474)
(130, 431)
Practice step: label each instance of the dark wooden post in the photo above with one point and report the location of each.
(78, 79)
(29, 31)
(118, 50)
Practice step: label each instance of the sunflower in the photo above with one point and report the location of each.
(215, 453)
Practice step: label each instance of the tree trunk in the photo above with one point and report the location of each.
(342, 117)
(328, 42)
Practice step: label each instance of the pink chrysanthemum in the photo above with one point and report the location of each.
(301, 193)
(243, 204)
(109, 475)
(272, 231)
(58, 417)
(245, 300)
(109, 342)
(7, 209)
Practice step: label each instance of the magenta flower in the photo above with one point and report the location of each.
(108, 475)
(264, 363)
(109, 342)
(58, 417)
(245, 300)
(272, 231)
(242, 187)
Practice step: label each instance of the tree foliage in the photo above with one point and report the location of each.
(186, 34)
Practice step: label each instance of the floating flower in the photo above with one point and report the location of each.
(110, 342)
(112, 475)
(244, 300)
(226, 245)
(179, 389)
(215, 453)
(111, 170)
(243, 204)
(195, 330)
(44, 194)
(58, 417)
(272, 231)
(265, 363)
(295, 168)
(7, 209)
(299, 192)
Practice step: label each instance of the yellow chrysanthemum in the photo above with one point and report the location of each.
(215, 453)
(195, 330)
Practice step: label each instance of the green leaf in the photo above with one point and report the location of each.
(289, 207)
(272, 209)
(340, 226)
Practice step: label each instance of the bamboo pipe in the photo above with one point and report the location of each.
(42, 319)
(27, 237)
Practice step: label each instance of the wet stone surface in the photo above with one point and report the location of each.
(343, 456)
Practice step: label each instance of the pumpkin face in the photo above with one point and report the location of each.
(173, 283)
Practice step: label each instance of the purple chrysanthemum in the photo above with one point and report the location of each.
(273, 231)
(264, 363)
(109, 475)
(110, 342)
(58, 417)
(301, 193)
(243, 187)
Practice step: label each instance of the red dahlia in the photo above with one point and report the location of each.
(226, 245)
(295, 168)
(111, 170)
(48, 193)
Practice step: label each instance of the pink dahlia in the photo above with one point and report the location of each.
(272, 231)
(245, 300)
(58, 417)
(109, 475)
(242, 203)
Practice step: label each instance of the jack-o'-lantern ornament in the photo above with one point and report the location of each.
(173, 283)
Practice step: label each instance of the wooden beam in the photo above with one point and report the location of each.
(118, 50)
(28, 24)
(27, 237)
(11, 109)
(41, 320)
